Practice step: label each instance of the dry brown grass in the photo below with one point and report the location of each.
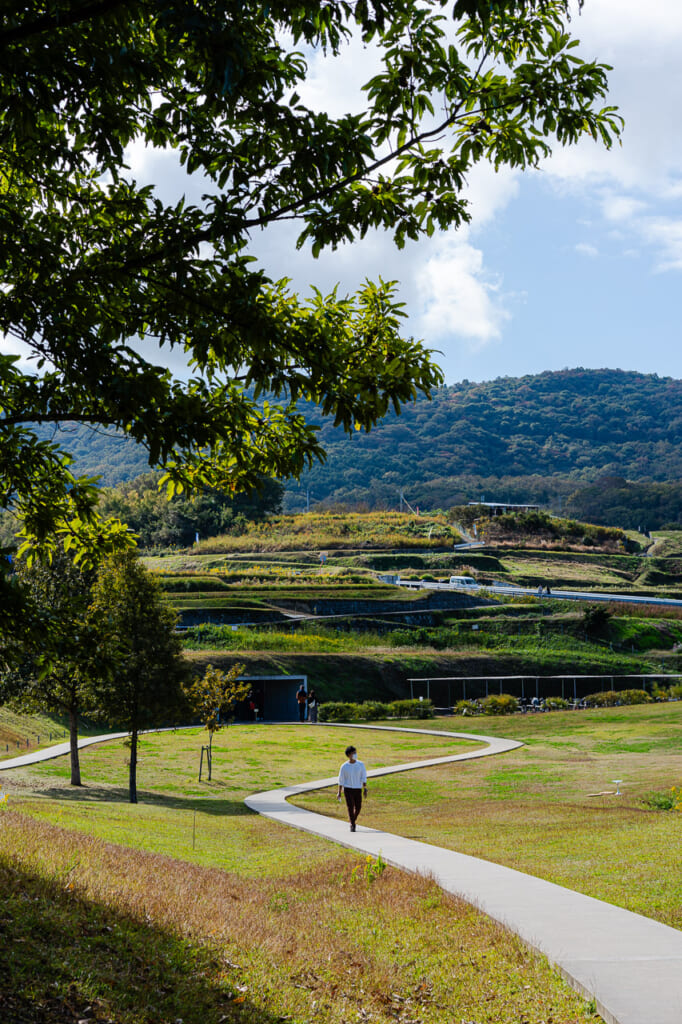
(318, 945)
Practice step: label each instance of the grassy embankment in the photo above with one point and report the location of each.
(376, 661)
(187, 906)
(373, 659)
(22, 733)
(321, 531)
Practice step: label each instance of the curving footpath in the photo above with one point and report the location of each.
(630, 965)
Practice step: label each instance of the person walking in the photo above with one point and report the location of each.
(353, 784)
(312, 705)
(301, 698)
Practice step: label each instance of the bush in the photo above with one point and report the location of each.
(372, 710)
(499, 704)
(666, 801)
(411, 709)
(603, 699)
(635, 697)
(596, 620)
(556, 704)
(338, 711)
(467, 707)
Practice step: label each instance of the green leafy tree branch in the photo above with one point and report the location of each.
(96, 268)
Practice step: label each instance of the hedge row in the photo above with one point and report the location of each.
(613, 698)
(372, 710)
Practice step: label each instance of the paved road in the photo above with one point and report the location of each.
(567, 595)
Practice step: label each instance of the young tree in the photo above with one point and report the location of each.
(51, 672)
(214, 697)
(100, 276)
(139, 664)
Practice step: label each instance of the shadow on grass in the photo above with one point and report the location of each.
(218, 806)
(68, 958)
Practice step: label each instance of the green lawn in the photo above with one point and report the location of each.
(200, 821)
(188, 907)
(536, 809)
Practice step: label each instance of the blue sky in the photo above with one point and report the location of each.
(575, 264)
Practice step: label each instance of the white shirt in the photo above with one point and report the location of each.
(352, 775)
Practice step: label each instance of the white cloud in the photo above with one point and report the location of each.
(642, 42)
(666, 235)
(458, 298)
(586, 249)
(621, 208)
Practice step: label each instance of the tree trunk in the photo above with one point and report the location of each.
(132, 772)
(73, 739)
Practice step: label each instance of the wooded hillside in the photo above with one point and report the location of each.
(527, 439)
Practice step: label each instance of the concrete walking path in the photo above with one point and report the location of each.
(58, 750)
(630, 965)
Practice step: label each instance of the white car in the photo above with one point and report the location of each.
(463, 581)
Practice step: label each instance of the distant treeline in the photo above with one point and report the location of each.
(161, 523)
(538, 439)
(634, 506)
(177, 523)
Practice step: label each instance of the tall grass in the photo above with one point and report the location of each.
(330, 531)
(115, 934)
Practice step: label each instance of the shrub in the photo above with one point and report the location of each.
(635, 697)
(596, 620)
(467, 707)
(411, 709)
(499, 704)
(603, 699)
(556, 704)
(337, 711)
(371, 710)
(667, 801)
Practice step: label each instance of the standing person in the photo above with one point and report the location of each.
(353, 783)
(312, 706)
(301, 698)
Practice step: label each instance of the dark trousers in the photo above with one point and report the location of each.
(353, 802)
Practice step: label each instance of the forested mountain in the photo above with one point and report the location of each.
(553, 429)
(527, 439)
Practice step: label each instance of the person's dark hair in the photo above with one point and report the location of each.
(350, 750)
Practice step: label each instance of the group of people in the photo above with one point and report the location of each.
(307, 704)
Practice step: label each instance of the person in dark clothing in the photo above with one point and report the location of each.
(312, 706)
(301, 699)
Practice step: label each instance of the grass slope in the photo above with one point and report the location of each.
(236, 918)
